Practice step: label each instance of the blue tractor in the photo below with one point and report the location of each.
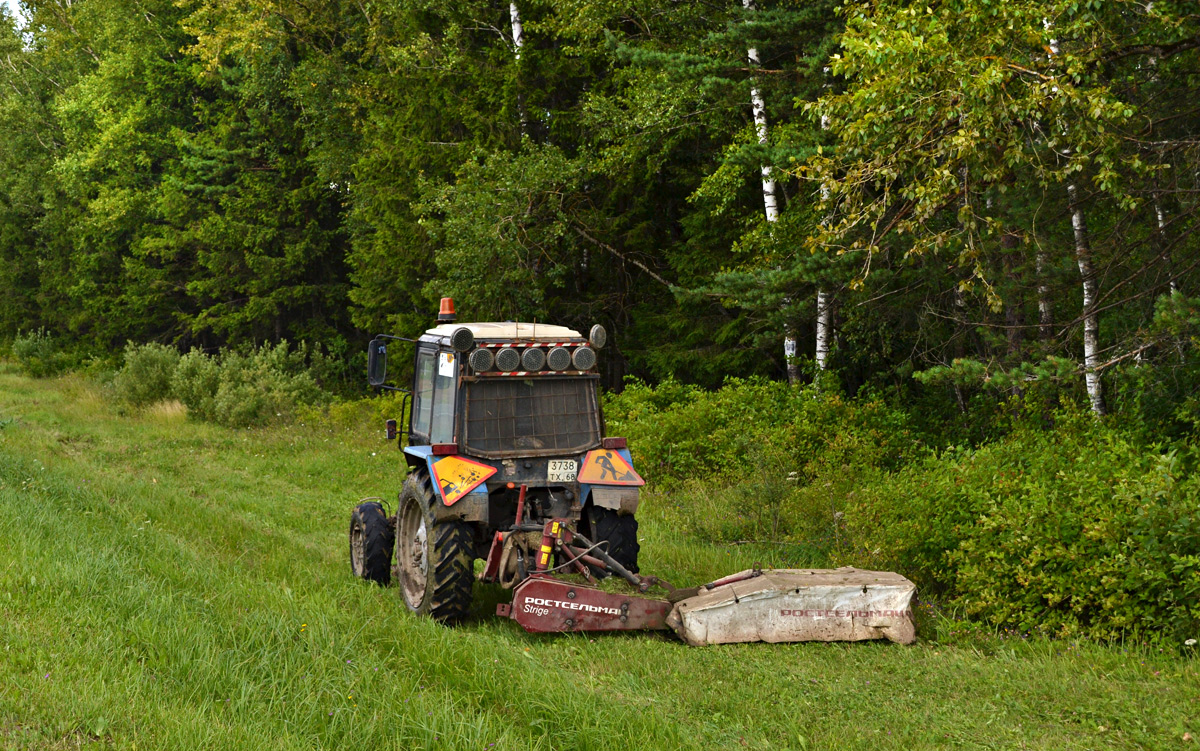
(505, 436)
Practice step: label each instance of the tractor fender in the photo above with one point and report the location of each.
(419, 456)
(471, 507)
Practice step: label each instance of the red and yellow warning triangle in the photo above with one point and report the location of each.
(607, 467)
(455, 477)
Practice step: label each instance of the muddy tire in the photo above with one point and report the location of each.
(619, 531)
(372, 538)
(434, 560)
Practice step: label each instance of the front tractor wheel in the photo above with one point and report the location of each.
(434, 559)
(371, 539)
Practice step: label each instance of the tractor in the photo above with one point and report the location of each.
(507, 462)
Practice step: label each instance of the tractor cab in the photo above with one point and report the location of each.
(518, 390)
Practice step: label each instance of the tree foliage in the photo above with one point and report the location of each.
(205, 173)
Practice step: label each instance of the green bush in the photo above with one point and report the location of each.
(1074, 530)
(39, 354)
(195, 383)
(247, 387)
(758, 461)
(147, 374)
(753, 426)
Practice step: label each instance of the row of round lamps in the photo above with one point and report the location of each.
(532, 359)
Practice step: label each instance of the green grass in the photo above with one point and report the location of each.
(166, 584)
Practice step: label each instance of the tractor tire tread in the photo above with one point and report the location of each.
(453, 574)
(620, 532)
(452, 553)
(379, 538)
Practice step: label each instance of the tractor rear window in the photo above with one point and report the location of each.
(531, 416)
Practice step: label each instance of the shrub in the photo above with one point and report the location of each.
(195, 383)
(679, 432)
(768, 505)
(758, 461)
(1072, 530)
(359, 415)
(246, 387)
(1066, 525)
(147, 374)
(39, 354)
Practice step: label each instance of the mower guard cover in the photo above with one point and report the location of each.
(785, 605)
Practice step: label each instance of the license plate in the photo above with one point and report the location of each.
(562, 470)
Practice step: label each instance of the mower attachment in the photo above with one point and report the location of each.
(542, 603)
(786, 605)
(771, 605)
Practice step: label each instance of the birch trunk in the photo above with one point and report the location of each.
(770, 202)
(1091, 320)
(1014, 317)
(1160, 218)
(824, 300)
(824, 328)
(1160, 239)
(518, 33)
(517, 30)
(1045, 309)
(958, 348)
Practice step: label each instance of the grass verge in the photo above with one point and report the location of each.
(170, 584)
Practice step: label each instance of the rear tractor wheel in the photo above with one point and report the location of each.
(434, 559)
(372, 538)
(619, 532)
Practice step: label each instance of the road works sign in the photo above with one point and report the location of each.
(607, 467)
(455, 477)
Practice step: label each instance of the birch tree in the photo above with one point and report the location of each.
(824, 303)
(1091, 319)
(518, 37)
(1087, 273)
(771, 203)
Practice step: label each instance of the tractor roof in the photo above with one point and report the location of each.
(530, 332)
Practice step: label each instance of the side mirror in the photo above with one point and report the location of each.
(377, 363)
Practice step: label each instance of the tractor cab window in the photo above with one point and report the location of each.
(422, 408)
(444, 380)
(433, 395)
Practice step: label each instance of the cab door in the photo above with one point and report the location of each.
(421, 417)
(435, 385)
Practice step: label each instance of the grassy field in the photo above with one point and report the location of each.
(166, 584)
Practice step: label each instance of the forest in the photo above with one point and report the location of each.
(949, 204)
